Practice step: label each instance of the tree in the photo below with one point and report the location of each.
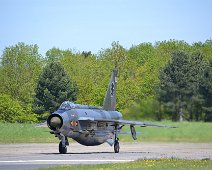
(194, 99)
(86, 54)
(54, 54)
(206, 91)
(54, 86)
(116, 55)
(12, 111)
(20, 67)
(174, 83)
(19, 70)
(179, 85)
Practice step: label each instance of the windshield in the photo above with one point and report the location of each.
(67, 106)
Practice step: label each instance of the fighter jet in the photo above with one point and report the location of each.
(92, 125)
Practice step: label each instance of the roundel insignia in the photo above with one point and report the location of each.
(73, 123)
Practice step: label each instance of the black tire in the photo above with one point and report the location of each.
(62, 149)
(116, 147)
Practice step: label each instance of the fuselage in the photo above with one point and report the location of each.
(80, 124)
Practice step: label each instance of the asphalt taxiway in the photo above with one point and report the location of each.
(32, 156)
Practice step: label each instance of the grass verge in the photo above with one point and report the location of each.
(160, 164)
(186, 132)
(24, 133)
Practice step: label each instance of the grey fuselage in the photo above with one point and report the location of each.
(75, 124)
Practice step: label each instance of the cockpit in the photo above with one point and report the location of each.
(67, 105)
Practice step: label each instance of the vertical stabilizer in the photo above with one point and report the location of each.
(110, 97)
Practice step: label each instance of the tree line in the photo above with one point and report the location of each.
(166, 80)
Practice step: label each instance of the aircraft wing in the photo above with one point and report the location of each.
(136, 123)
(125, 122)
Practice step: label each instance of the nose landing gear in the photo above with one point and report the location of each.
(62, 148)
(62, 145)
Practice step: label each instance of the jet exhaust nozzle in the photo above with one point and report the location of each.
(54, 122)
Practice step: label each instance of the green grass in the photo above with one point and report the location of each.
(186, 132)
(24, 133)
(145, 165)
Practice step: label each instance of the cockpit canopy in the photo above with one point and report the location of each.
(67, 105)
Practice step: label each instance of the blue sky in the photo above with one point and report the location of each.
(90, 25)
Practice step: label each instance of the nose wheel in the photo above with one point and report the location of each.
(62, 145)
(62, 148)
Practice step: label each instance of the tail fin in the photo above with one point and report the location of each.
(110, 97)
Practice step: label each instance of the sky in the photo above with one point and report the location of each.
(92, 25)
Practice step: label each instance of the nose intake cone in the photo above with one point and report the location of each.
(55, 122)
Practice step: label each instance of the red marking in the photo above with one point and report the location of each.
(74, 123)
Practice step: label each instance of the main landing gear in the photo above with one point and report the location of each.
(116, 142)
(62, 145)
(116, 146)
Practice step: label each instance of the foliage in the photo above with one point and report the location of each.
(19, 69)
(139, 90)
(20, 66)
(91, 76)
(11, 111)
(146, 109)
(206, 91)
(53, 54)
(54, 86)
(179, 83)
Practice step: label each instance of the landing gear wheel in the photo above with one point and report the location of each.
(116, 147)
(62, 149)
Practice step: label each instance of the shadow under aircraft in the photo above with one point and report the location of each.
(92, 125)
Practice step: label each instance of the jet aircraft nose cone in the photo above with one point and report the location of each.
(55, 122)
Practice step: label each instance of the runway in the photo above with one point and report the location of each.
(31, 156)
